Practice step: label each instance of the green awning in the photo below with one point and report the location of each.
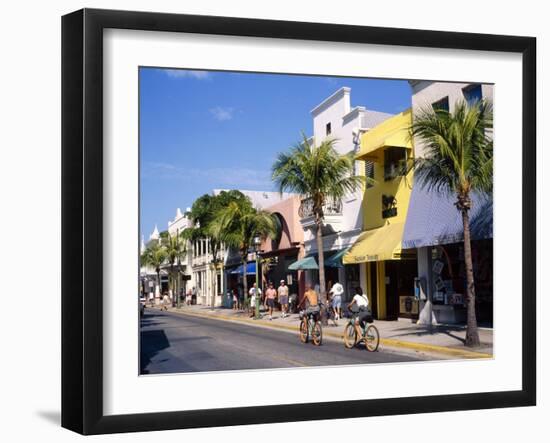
(304, 263)
(335, 261)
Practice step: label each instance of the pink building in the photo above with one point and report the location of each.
(279, 253)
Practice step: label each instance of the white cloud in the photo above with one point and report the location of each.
(186, 73)
(222, 114)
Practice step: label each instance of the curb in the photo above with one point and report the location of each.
(390, 342)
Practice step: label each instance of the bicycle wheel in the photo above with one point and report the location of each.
(350, 336)
(317, 333)
(304, 331)
(372, 338)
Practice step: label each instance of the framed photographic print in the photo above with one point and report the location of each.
(251, 203)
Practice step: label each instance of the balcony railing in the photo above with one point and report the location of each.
(331, 207)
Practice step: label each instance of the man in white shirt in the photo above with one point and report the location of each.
(254, 292)
(336, 292)
(361, 311)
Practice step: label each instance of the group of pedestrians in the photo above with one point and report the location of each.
(272, 296)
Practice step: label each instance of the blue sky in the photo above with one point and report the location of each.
(204, 130)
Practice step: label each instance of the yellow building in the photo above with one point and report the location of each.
(387, 151)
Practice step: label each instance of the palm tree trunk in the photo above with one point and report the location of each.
(245, 284)
(321, 254)
(172, 282)
(472, 334)
(213, 282)
(158, 283)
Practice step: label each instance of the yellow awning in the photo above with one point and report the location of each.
(377, 244)
(392, 132)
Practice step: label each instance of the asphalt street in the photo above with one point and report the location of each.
(172, 343)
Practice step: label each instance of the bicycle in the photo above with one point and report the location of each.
(310, 326)
(370, 335)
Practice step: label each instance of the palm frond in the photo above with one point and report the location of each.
(458, 153)
(316, 172)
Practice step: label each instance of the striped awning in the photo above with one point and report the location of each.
(433, 219)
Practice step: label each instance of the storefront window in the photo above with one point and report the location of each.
(352, 281)
(449, 276)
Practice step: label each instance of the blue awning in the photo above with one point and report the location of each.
(250, 269)
(433, 219)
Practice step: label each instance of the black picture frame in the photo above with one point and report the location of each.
(82, 216)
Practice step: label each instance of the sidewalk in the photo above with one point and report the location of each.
(445, 341)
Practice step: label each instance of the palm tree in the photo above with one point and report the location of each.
(320, 175)
(458, 160)
(175, 250)
(237, 224)
(202, 214)
(154, 256)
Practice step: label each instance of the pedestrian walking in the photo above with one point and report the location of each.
(336, 291)
(270, 295)
(292, 299)
(235, 299)
(165, 302)
(282, 293)
(255, 294)
(240, 292)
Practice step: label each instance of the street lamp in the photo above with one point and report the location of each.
(257, 244)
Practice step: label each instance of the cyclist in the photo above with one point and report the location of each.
(362, 302)
(313, 299)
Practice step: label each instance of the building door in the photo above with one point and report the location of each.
(372, 289)
(392, 295)
(352, 281)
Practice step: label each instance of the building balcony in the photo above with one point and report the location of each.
(332, 211)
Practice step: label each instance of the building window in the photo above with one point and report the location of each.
(472, 94)
(442, 104)
(395, 162)
(328, 129)
(369, 173)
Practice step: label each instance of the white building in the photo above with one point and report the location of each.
(335, 118)
(151, 287)
(205, 279)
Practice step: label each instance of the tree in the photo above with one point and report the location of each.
(154, 256)
(320, 175)
(175, 249)
(202, 214)
(237, 224)
(458, 160)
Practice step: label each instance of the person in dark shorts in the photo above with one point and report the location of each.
(360, 306)
(282, 295)
(270, 295)
(312, 298)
